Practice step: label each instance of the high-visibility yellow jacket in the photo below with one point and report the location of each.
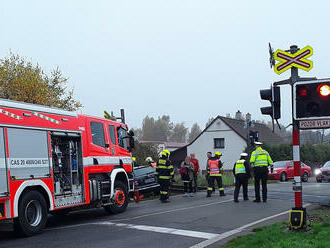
(260, 158)
(240, 167)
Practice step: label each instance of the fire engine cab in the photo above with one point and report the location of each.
(52, 160)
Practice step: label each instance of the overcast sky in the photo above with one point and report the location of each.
(190, 59)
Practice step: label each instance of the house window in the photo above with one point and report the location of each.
(219, 143)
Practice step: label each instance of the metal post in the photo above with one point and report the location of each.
(295, 140)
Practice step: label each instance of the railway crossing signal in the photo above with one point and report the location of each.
(312, 100)
(297, 59)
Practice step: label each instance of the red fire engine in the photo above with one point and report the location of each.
(52, 160)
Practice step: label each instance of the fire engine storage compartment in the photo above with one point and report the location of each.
(67, 168)
(28, 153)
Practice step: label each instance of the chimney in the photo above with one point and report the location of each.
(238, 115)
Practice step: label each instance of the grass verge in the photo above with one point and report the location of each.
(278, 235)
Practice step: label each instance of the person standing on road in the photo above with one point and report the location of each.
(260, 160)
(195, 163)
(164, 172)
(214, 174)
(186, 172)
(208, 155)
(241, 172)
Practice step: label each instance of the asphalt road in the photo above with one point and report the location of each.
(185, 222)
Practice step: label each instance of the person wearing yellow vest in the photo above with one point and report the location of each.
(260, 160)
(164, 172)
(241, 172)
(214, 166)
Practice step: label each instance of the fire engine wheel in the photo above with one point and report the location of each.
(32, 214)
(120, 199)
(283, 177)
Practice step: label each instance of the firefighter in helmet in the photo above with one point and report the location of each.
(214, 166)
(151, 162)
(165, 172)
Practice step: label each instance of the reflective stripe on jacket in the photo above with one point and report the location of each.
(214, 167)
(260, 157)
(164, 169)
(240, 167)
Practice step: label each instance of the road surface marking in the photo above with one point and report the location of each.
(188, 233)
(142, 216)
(172, 210)
(237, 230)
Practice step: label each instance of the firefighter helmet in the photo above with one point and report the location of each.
(166, 153)
(149, 160)
(218, 154)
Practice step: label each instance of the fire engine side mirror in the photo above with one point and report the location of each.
(106, 145)
(131, 143)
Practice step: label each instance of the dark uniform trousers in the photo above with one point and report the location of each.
(195, 182)
(260, 174)
(164, 188)
(241, 180)
(211, 180)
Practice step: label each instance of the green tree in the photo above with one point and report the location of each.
(148, 129)
(313, 155)
(20, 80)
(163, 127)
(194, 132)
(142, 151)
(156, 130)
(178, 133)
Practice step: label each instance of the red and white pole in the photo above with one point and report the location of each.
(296, 166)
(298, 213)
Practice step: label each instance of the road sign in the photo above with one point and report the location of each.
(314, 124)
(298, 59)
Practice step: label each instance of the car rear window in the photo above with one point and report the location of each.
(142, 171)
(280, 164)
(327, 164)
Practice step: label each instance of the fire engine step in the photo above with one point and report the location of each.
(68, 200)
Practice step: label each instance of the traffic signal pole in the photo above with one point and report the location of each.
(297, 216)
(297, 185)
(293, 59)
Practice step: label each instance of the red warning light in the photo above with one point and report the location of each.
(324, 90)
(302, 91)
